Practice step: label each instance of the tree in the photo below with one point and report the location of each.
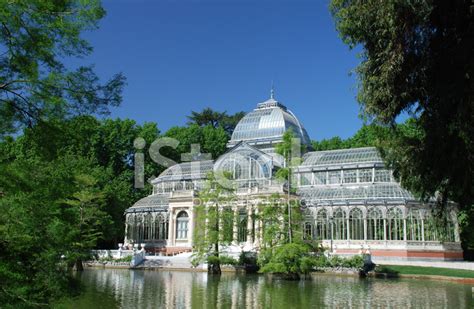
(417, 59)
(35, 85)
(84, 212)
(33, 226)
(209, 117)
(371, 135)
(290, 149)
(211, 216)
(212, 140)
(290, 260)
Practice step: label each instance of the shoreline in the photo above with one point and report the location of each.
(326, 272)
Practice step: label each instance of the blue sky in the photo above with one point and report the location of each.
(185, 55)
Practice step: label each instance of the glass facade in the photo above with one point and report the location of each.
(350, 196)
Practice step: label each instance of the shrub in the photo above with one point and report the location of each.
(356, 261)
(222, 260)
(125, 259)
(288, 259)
(247, 258)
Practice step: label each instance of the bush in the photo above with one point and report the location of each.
(247, 258)
(288, 259)
(222, 260)
(125, 259)
(356, 261)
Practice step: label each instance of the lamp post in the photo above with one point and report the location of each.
(331, 222)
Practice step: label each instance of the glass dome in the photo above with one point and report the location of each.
(266, 125)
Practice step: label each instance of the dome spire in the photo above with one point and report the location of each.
(272, 92)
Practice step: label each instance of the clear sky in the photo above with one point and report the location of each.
(185, 55)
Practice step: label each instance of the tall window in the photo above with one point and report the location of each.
(322, 227)
(147, 228)
(374, 224)
(182, 225)
(308, 231)
(414, 225)
(242, 227)
(340, 231)
(394, 224)
(356, 224)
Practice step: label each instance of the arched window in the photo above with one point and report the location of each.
(374, 224)
(308, 231)
(131, 227)
(356, 224)
(139, 228)
(340, 231)
(242, 226)
(414, 225)
(182, 225)
(159, 228)
(147, 227)
(394, 224)
(322, 226)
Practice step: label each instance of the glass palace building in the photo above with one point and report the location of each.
(352, 203)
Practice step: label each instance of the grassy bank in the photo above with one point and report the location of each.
(419, 270)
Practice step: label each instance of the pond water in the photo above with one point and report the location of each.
(117, 288)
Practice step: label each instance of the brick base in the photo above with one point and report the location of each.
(409, 254)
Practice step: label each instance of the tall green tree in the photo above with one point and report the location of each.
(84, 211)
(417, 58)
(35, 84)
(211, 217)
(290, 149)
(34, 248)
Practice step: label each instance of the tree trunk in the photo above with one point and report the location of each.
(214, 269)
(78, 265)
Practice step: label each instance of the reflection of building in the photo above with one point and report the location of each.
(350, 196)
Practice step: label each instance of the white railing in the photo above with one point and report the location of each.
(114, 254)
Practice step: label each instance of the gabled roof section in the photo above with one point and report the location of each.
(156, 202)
(244, 149)
(342, 157)
(186, 171)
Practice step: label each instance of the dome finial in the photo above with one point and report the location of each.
(272, 92)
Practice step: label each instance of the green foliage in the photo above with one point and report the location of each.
(126, 259)
(417, 60)
(212, 140)
(367, 136)
(214, 119)
(335, 261)
(36, 227)
(210, 227)
(247, 258)
(420, 270)
(221, 260)
(35, 37)
(290, 258)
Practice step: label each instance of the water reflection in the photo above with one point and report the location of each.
(173, 289)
